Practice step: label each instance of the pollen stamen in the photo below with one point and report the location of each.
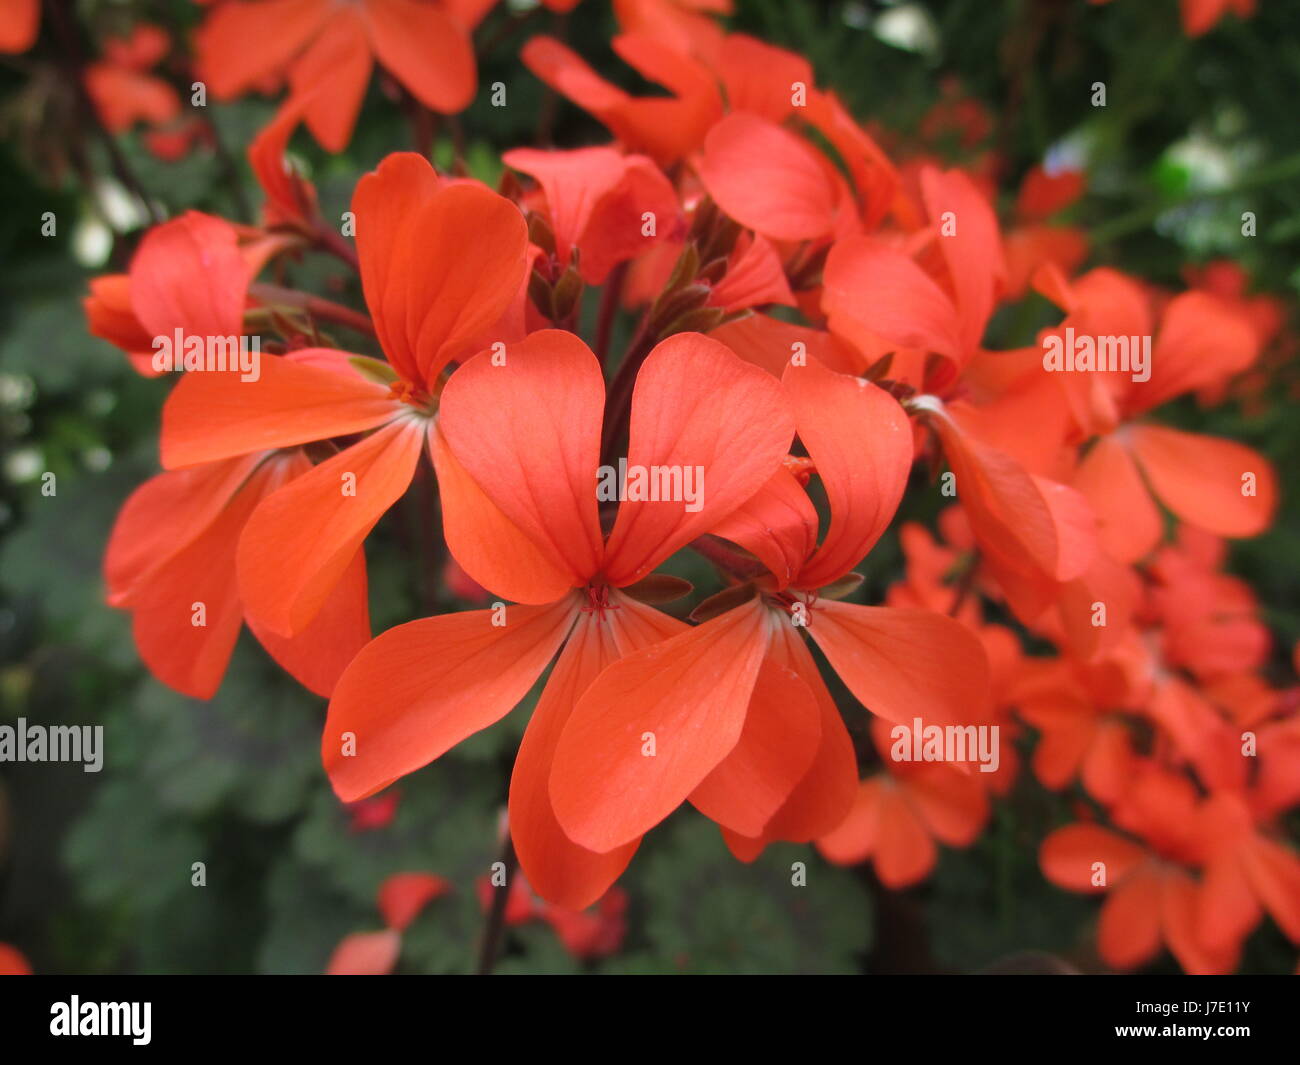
(598, 601)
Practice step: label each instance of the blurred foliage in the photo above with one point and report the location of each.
(95, 870)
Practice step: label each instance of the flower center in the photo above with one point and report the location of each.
(598, 601)
(407, 393)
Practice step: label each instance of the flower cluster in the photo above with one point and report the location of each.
(747, 328)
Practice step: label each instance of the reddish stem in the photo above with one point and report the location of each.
(314, 305)
(609, 299)
(331, 241)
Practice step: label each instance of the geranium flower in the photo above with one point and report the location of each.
(1005, 442)
(331, 47)
(743, 724)
(595, 199)
(20, 22)
(1033, 239)
(191, 273)
(1151, 894)
(123, 90)
(1247, 873)
(171, 563)
(762, 174)
(442, 266)
(400, 899)
(527, 434)
(898, 815)
(1133, 461)
(1079, 712)
(595, 932)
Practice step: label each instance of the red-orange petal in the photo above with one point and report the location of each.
(417, 690)
(439, 265)
(1202, 341)
(653, 726)
(317, 656)
(1128, 933)
(20, 22)
(1069, 854)
(902, 663)
(210, 416)
(162, 517)
(860, 440)
(1128, 521)
(188, 274)
(822, 799)
(301, 539)
(1274, 872)
(1204, 480)
(241, 44)
(767, 179)
(972, 247)
(403, 895)
(331, 76)
(778, 524)
(196, 584)
(426, 50)
(561, 871)
(528, 432)
(872, 291)
(699, 408)
(776, 747)
(486, 544)
(366, 954)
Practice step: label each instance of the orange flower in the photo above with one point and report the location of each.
(1078, 711)
(1152, 897)
(123, 91)
(743, 724)
(190, 273)
(20, 22)
(12, 962)
(898, 815)
(1033, 240)
(1246, 872)
(597, 200)
(1217, 485)
(401, 898)
(320, 44)
(1200, 16)
(524, 436)
(442, 264)
(595, 932)
(171, 563)
(762, 174)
